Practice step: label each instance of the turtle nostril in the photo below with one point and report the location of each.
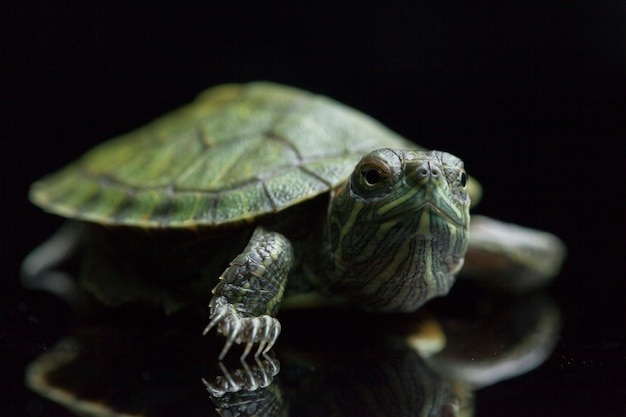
(428, 171)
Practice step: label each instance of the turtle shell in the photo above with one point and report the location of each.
(236, 152)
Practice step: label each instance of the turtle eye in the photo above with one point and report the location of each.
(461, 182)
(376, 173)
(463, 179)
(372, 176)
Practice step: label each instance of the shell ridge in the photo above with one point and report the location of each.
(201, 137)
(283, 154)
(268, 195)
(313, 174)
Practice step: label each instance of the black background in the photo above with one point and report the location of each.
(531, 96)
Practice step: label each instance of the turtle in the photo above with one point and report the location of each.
(258, 195)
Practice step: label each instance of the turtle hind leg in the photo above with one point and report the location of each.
(45, 267)
(511, 258)
(249, 293)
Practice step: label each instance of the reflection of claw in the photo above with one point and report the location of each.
(263, 330)
(260, 375)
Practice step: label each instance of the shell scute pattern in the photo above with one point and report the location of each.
(236, 152)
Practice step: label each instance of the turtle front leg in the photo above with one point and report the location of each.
(249, 293)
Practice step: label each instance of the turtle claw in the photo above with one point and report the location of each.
(247, 378)
(270, 335)
(263, 330)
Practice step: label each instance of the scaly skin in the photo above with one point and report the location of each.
(249, 293)
(399, 242)
(398, 232)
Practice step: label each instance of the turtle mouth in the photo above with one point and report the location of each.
(441, 213)
(419, 210)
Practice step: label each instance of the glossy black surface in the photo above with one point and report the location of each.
(532, 97)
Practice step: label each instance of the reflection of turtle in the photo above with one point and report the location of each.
(385, 366)
(312, 199)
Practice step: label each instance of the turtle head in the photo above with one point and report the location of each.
(398, 229)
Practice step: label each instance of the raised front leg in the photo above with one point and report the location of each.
(249, 293)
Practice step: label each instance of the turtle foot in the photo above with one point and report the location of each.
(263, 330)
(248, 378)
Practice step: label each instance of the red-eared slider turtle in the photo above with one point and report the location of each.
(304, 196)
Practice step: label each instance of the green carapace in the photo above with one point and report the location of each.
(258, 196)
